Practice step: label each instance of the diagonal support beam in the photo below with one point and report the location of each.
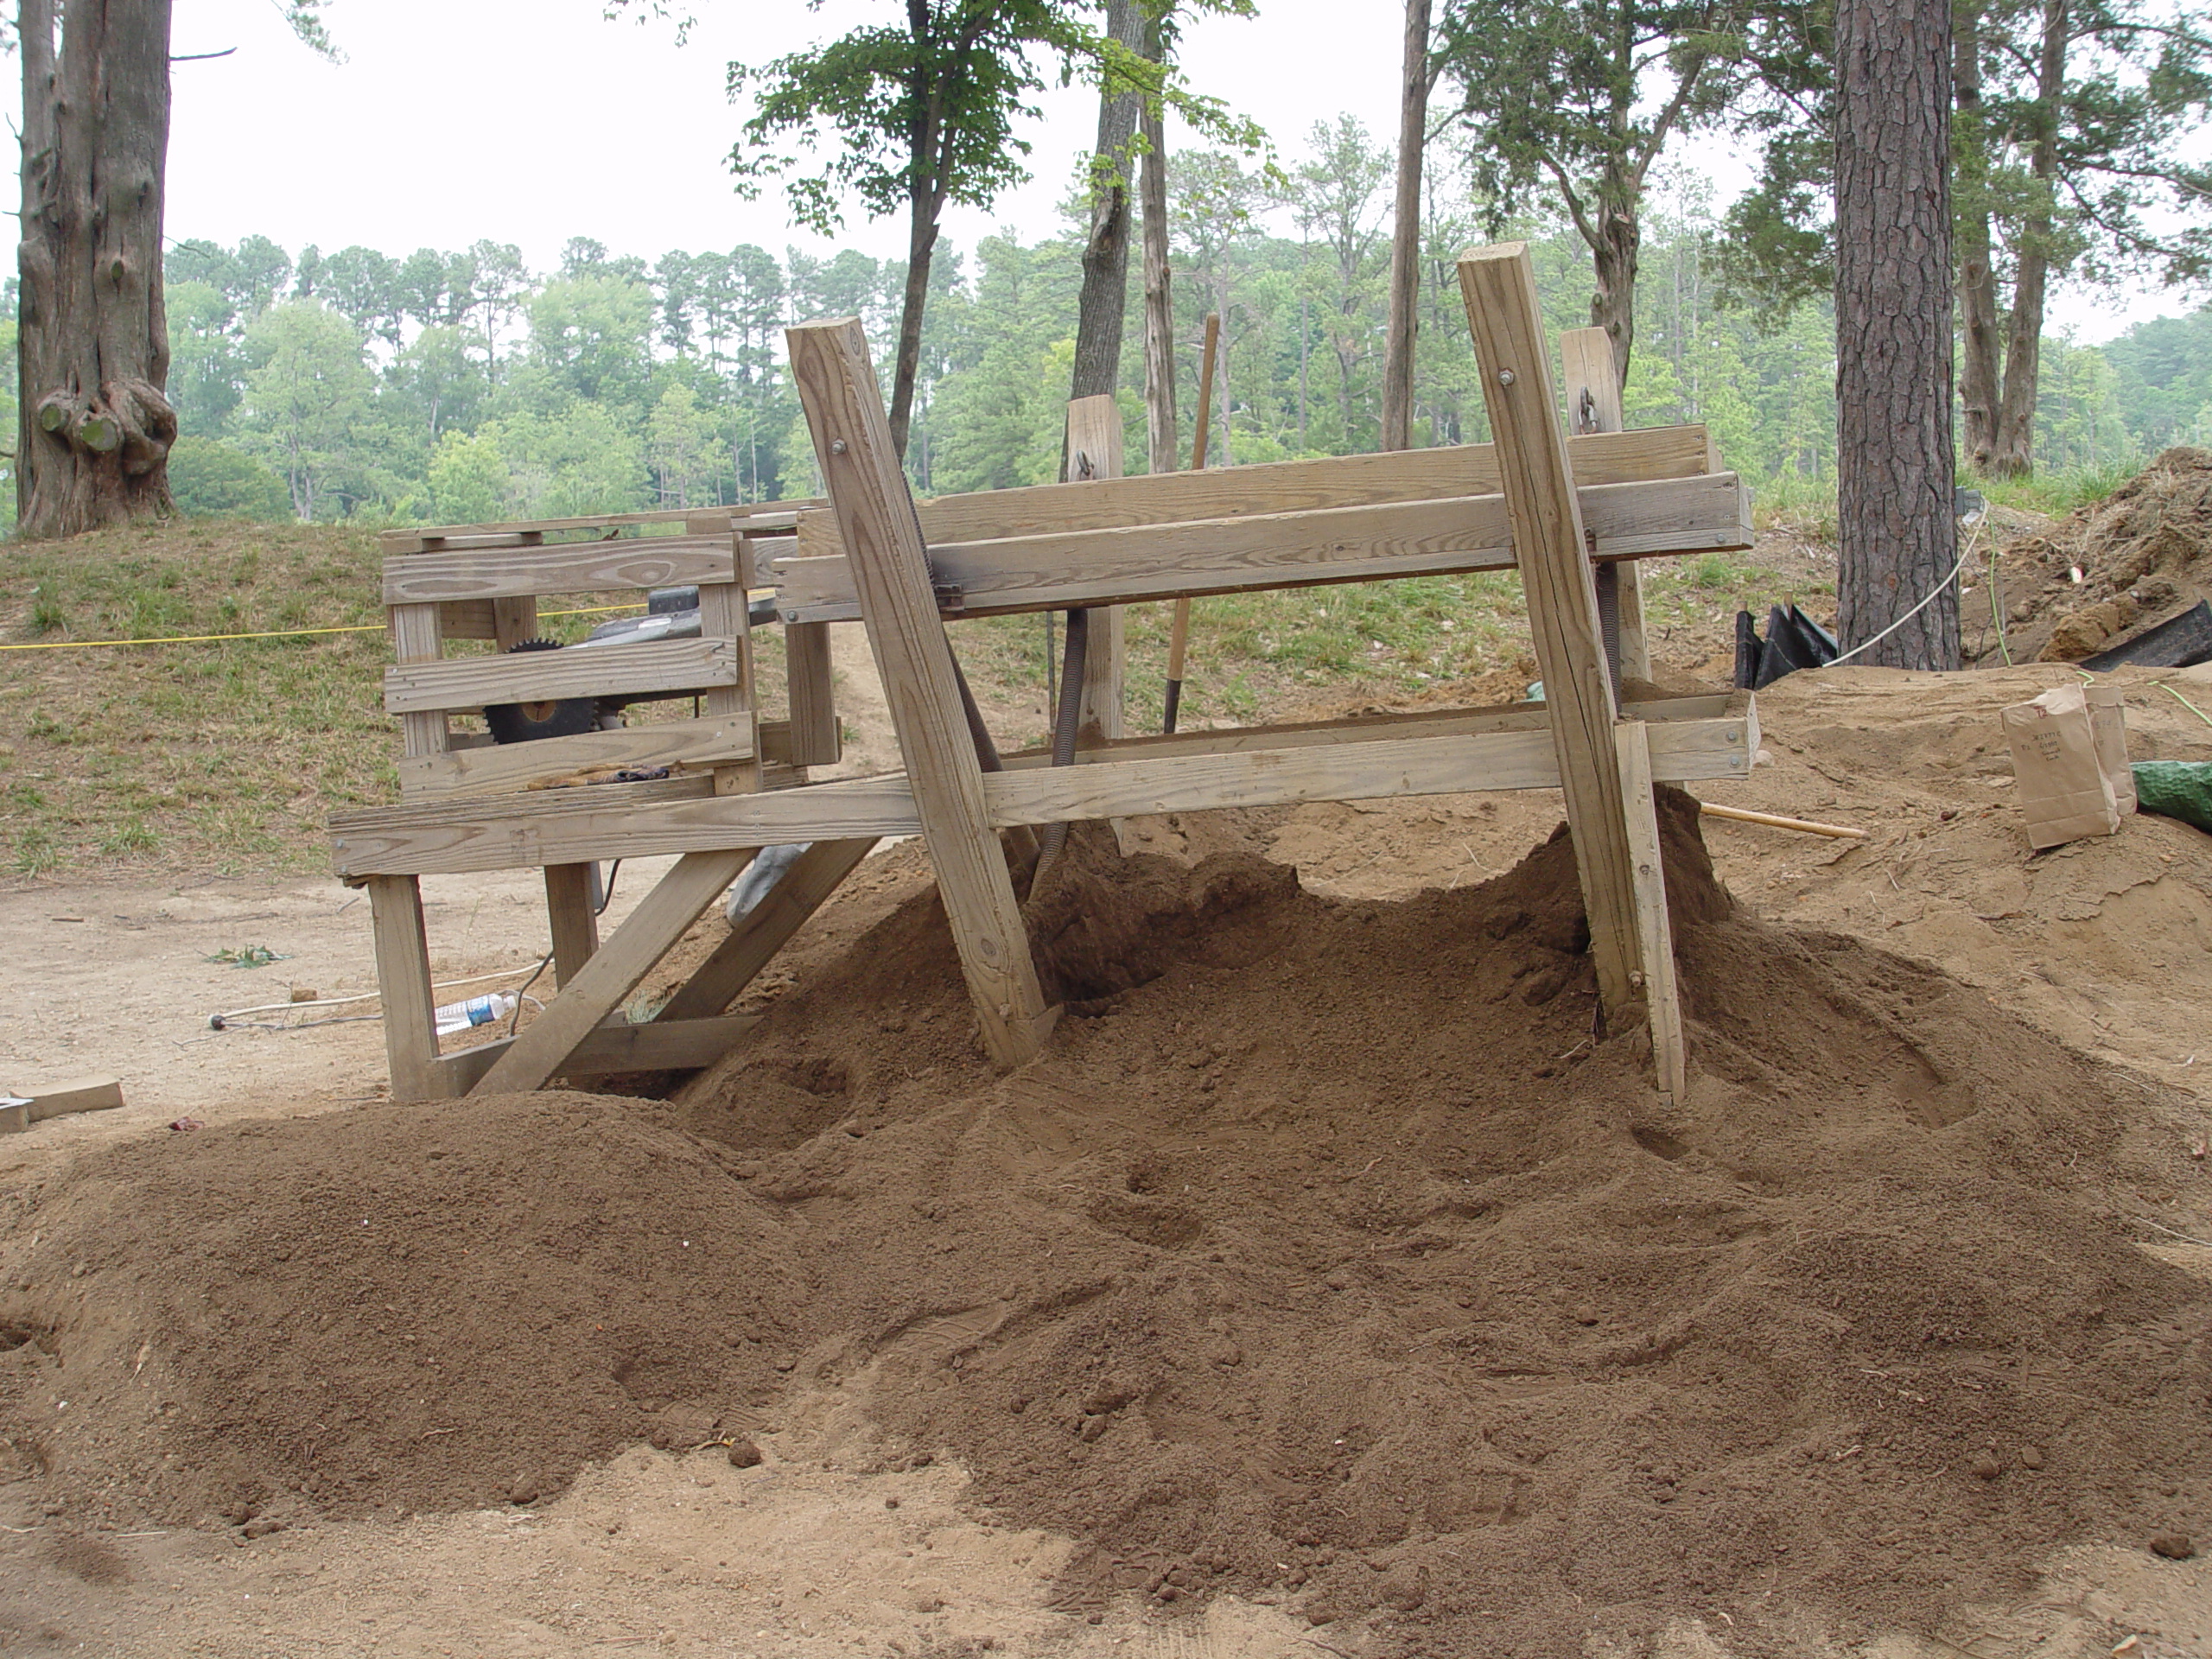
(753, 943)
(1498, 285)
(890, 572)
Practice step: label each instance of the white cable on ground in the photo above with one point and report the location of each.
(1933, 593)
(371, 996)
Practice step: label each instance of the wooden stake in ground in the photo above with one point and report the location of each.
(1178, 636)
(883, 541)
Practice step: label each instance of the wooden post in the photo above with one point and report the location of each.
(417, 637)
(1498, 285)
(697, 881)
(410, 1032)
(816, 739)
(1593, 405)
(1094, 451)
(574, 924)
(1655, 932)
(891, 574)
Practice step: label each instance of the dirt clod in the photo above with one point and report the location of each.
(2174, 1546)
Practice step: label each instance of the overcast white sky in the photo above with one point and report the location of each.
(533, 121)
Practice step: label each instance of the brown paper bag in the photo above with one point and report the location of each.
(2108, 724)
(2064, 793)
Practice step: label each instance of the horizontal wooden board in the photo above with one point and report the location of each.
(479, 835)
(576, 568)
(758, 515)
(1289, 550)
(1275, 486)
(467, 683)
(506, 768)
(673, 1046)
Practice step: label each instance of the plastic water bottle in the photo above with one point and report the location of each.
(453, 1017)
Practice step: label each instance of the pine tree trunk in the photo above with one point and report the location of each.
(921, 243)
(1896, 539)
(1163, 442)
(2012, 441)
(1613, 258)
(1405, 236)
(1103, 301)
(1978, 344)
(96, 426)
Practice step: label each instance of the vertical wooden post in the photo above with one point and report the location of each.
(513, 620)
(1655, 932)
(1498, 285)
(417, 637)
(410, 1032)
(1095, 437)
(815, 739)
(1593, 405)
(723, 614)
(891, 573)
(574, 924)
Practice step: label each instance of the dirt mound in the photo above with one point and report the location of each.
(2144, 554)
(1331, 1252)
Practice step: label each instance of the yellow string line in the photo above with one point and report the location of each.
(274, 633)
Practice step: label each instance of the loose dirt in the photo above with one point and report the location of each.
(1333, 1266)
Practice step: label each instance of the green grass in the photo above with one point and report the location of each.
(2055, 492)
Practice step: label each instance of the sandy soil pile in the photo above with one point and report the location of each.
(1331, 1253)
(2144, 554)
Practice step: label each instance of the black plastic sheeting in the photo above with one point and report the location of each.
(2180, 641)
(1793, 641)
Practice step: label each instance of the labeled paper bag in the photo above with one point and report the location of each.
(2064, 793)
(2108, 724)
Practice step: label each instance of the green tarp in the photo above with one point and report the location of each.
(2176, 789)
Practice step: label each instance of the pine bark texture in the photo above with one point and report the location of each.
(1405, 236)
(96, 424)
(1897, 539)
(1102, 302)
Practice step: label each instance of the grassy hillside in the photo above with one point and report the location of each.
(228, 755)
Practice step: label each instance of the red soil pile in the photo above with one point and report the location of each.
(1331, 1252)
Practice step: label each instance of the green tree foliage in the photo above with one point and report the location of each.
(211, 479)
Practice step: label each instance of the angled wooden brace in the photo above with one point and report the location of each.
(883, 541)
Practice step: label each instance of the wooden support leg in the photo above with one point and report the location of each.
(816, 739)
(765, 929)
(891, 575)
(1593, 405)
(1499, 287)
(1655, 933)
(410, 1032)
(696, 882)
(568, 909)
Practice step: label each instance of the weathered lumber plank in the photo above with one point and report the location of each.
(679, 1045)
(403, 952)
(1292, 550)
(1593, 405)
(480, 835)
(614, 969)
(669, 665)
(573, 922)
(765, 928)
(571, 568)
(1655, 932)
(417, 639)
(504, 768)
(760, 515)
(1498, 286)
(891, 573)
(815, 737)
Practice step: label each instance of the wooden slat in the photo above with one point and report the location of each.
(577, 568)
(815, 737)
(683, 1045)
(891, 573)
(417, 639)
(669, 665)
(1655, 932)
(410, 1034)
(573, 923)
(1593, 405)
(1294, 549)
(573, 827)
(766, 928)
(758, 514)
(612, 973)
(1498, 286)
(506, 768)
(722, 615)
(1276, 486)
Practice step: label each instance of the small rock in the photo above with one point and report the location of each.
(743, 1454)
(890, 1502)
(305, 994)
(261, 1528)
(786, 1365)
(525, 1488)
(2030, 1458)
(1985, 1467)
(2174, 1546)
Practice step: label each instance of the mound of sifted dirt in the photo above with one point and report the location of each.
(2144, 554)
(1331, 1252)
